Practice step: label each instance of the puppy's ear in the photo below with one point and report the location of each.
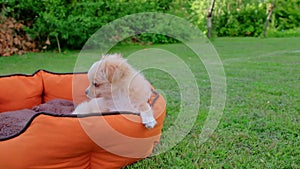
(113, 71)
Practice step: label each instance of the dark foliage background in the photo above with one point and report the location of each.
(72, 22)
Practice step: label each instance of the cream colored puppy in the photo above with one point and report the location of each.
(116, 86)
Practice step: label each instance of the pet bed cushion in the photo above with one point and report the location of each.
(13, 95)
(58, 140)
(13, 122)
(60, 86)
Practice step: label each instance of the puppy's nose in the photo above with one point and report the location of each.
(86, 91)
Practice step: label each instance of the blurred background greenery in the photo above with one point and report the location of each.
(71, 22)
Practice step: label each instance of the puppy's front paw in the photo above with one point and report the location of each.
(150, 125)
(148, 120)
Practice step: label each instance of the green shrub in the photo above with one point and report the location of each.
(287, 15)
(284, 33)
(247, 21)
(72, 22)
(246, 18)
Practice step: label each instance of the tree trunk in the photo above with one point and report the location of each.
(268, 18)
(208, 18)
(58, 44)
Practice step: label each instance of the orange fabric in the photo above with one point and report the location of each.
(79, 142)
(49, 142)
(79, 84)
(60, 86)
(20, 92)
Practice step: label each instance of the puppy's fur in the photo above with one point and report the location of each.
(116, 86)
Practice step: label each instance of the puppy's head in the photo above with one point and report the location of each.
(109, 71)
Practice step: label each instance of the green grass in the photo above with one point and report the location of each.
(260, 126)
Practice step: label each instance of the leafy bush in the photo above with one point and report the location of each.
(287, 15)
(72, 22)
(246, 18)
(284, 33)
(246, 21)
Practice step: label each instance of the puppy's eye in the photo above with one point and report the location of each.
(96, 84)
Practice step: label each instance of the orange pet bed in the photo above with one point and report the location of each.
(59, 140)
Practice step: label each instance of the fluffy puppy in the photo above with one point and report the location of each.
(116, 86)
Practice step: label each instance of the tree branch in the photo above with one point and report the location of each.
(269, 17)
(208, 18)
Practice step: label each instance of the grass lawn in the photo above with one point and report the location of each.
(260, 126)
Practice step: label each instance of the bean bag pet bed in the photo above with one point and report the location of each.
(37, 129)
